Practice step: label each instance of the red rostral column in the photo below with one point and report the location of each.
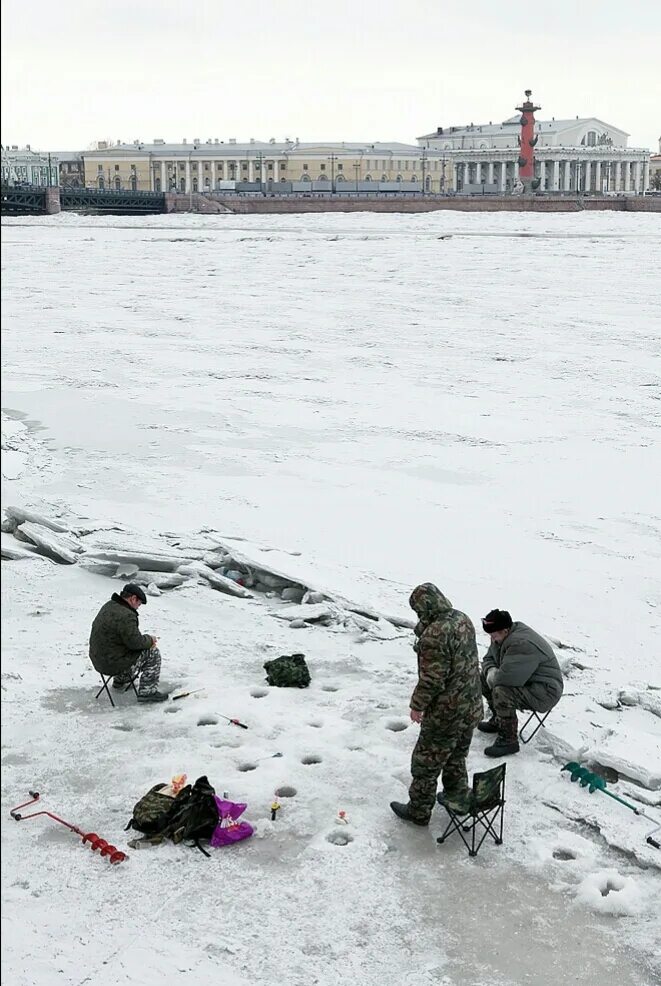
(527, 142)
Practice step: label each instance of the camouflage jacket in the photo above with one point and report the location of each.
(448, 688)
(115, 640)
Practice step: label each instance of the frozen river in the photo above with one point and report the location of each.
(468, 398)
(382, 400)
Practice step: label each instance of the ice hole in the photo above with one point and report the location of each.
(285, 792)
(339, 838)
(123, 727)
(258, 692)
(311, 759)
(609, 887)
(396, 725)
(207, 721)
(329, 688)
(172, 708)
(563, 854)
(245, 767)
(315, 724)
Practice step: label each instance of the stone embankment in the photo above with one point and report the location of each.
(292, 204)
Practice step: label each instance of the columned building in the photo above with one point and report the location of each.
(205, 166)
(23, 166)
(584, 155)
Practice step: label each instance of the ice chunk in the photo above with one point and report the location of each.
(149, 561)
(12, 550)
(633, 753)
(215, 580)
(650, 701)
(309, 613)
(62, 548)
(17, 516)
(292, 594)
(162, 580)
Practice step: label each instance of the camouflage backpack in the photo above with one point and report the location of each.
(289, 671)
(154, 810)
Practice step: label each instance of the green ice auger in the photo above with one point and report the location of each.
(594, 782)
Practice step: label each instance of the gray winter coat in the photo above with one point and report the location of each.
(524, 658)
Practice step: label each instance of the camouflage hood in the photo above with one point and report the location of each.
(430, 605)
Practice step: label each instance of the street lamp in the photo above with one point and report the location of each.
(332, 158)
(424, 161)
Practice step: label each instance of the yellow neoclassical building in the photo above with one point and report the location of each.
(201, 166)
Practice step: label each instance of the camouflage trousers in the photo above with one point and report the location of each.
(504, 700)
(438, 751)
(148, 666)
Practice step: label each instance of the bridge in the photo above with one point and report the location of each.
(31, 200)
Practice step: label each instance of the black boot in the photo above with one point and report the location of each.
(152, 697)
(404, 812)
(508, 739)
(488, 725)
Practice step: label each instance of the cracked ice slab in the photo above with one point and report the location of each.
(633, 753)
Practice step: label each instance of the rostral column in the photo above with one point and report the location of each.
(527, 142)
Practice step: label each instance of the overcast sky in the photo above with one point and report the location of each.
(74, 73)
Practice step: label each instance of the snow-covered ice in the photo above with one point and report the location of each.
(355, 405)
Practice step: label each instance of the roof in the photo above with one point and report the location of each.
(254, 148)
(541, 126)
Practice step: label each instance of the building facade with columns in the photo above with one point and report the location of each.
(204, 166)
(583, 155)
(23, 166)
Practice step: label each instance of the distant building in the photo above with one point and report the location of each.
(72, 169)
(202, 166)
(655, 170)
(23, 166)
(580, 155)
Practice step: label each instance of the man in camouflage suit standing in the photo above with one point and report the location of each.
(447, 702)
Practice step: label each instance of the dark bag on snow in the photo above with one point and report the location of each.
(196, 817)
(154, 810)
(289, 671)
(192, 815)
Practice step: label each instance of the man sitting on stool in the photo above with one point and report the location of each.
(118, 648)
(519, 671)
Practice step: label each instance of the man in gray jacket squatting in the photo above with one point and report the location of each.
(519, 671)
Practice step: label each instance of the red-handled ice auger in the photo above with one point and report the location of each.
(114, 854)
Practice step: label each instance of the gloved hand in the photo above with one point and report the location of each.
(491, 673)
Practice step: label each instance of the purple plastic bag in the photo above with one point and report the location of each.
(228, 831)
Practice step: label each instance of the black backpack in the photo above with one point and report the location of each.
(196, 817)
(192, 815)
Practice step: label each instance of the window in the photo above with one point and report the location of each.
(132, 167)
(206, 167)
(305, 167)
(340, 167)
(116, 167)
(118, 183)
(269, 166)
(99, 168)
(181, 167)
(322, 167)
(182, 184)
